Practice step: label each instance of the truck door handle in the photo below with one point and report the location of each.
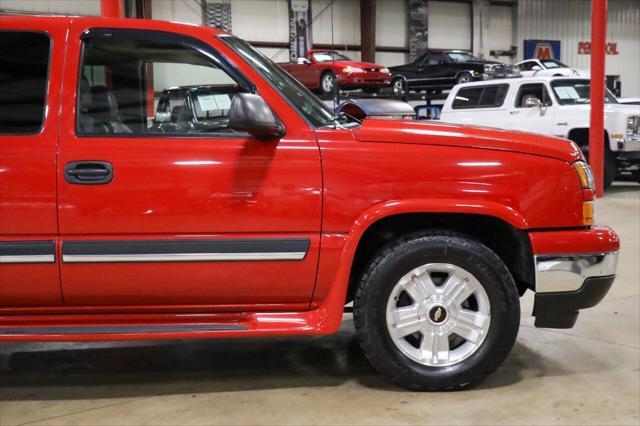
(514, 112)
(88, 172)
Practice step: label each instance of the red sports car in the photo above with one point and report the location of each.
(322, 69)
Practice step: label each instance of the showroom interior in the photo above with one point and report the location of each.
(506, 66)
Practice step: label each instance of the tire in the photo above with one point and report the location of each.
(327, 82)
(464, 77)
(610, 169)
(377, 295)
(399, 87)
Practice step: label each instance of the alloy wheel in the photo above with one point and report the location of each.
(438, 314)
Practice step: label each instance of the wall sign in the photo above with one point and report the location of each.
(542, 49)
(584, 48)
(299, 28)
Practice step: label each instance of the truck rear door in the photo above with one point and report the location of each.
(31, 60)
(177, 209)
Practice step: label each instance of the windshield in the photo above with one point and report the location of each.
(329, 57)
(461, 57)
(552, 63)
(316, 113)
(575, 92)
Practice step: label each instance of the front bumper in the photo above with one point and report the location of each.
(629, 144)
(567, 283)
(366, 79)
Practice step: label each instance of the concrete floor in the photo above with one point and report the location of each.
(587, 375)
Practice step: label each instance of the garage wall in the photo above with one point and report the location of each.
(501, 30)
(449, 25)
(391, 30)
(570, 22)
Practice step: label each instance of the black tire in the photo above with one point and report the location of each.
(407, 253)
(328, 76)
(610, 168)
(464, 77)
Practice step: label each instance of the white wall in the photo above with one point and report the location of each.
(501, 30)
(570, 22)
(65, 7)
(449, 25)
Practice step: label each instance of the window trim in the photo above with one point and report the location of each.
(484, 87)
(161, 36)
(47, 85)
(546, 90)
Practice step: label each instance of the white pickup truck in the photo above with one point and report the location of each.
(556, 106)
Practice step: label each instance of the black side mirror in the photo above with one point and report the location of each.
(250, 113)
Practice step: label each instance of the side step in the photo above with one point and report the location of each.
(119, 329)
(161, 326)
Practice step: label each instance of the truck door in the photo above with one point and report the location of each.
(177, 208)
(537, 119)
(31, 58)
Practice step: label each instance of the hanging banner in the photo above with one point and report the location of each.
(299, 29)
(542, 49)
(418, 28)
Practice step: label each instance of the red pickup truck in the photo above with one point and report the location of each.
(276, 214)
(322, 70)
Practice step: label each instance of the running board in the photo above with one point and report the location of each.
(161, 326)
(119, 329)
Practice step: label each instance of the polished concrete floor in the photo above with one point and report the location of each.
(587, 375)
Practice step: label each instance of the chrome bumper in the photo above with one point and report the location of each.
(565, 273)
(629, 144)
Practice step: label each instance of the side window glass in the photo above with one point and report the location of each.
(435, 59)
(480, 97)
(24, 69)
(493, 96)
(467, 98)
(534, 90)
(144, 85)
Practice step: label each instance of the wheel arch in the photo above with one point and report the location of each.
(499, 231)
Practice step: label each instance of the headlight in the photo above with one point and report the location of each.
(585, 174)
(385, 71)
(350, 70)
(633, 125)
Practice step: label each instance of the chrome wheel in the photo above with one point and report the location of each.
(398, 86)
(438, 314)
(464, 78)
(327, 83)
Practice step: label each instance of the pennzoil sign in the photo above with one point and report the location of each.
(541, 49)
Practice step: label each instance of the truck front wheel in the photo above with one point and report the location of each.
(436, 311)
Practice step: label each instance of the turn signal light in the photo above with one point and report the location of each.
(587, 212)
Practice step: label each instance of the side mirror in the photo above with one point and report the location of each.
(162, 117)
(532, 103)
(250, 113)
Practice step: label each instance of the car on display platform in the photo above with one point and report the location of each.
(554, 106)
(438, 70)
(327, 70)
(112, 228)
(549, 68)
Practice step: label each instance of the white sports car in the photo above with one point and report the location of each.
(548, 68)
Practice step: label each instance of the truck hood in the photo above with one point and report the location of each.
(444, 134)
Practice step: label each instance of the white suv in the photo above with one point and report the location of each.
(556, 106)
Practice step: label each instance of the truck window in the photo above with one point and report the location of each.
(480, 97)
(132, 85)
(24, 68)
(532, 90)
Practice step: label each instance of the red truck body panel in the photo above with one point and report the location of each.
(326, 186)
